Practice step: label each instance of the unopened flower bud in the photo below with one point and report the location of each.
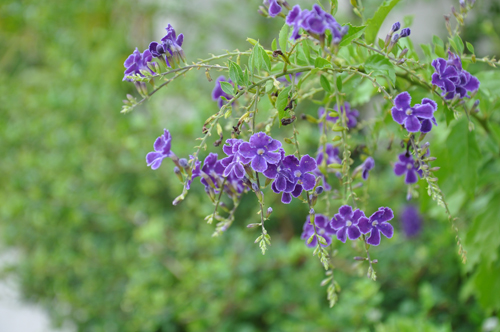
(357, 258)
(403, 52)
(253, 225)
(269, 210)
(183, 162)
(395, 27)
(405, 33)
(311, 211)
(319, 190)
(177, 170)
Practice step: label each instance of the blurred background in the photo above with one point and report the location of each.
(89, 239)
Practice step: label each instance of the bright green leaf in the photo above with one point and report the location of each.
(353, 33)
(283, 37)
(227, 88)
(322, 63)
(235, 73)
(374, 23)
(470, 47)
(274, 45)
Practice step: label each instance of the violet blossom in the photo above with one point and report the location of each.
(274, 7)
(345, 223)
(376, 224)
(426, 124)
(411, 221)
(409, 116)
(284, 181)
(259, 150)
(368, 165)
(234, 161)
(323, 228)
(406, 165)
(136, 62)
(162, 150)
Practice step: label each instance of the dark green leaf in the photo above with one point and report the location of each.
(281, 103)
(380, 66)
(274, 45)
(325, 84)
(464, 155)
(353, 33)
(374, 23)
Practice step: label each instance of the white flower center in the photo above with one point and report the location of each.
(409, 166)
(375, 223)
(260, 151)
(321, 231)
(297, 174)
(409, 111)
(348, 223)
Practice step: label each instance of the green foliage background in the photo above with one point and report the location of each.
(102, 246)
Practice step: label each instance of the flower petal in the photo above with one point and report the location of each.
(411, 177)
(386, 229)
(259, 164)
(337, 222)
(346, 212)
(374, 238)
(246, 150)
(402, 101)
(353, 232)
(297, 191)
(412, 124)
(424, 111)
(286, 198)
(307, 164)
(364, 225)
(342, 234)
(308, 181)
(400, 169)
(398, 115)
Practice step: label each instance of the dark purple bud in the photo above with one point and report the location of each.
(177, 170)
(319, 190)
(183, 162)
(405, 33)
(255, 187)
(476, 104)
(395, 38)
(403, 53)
(395, 27)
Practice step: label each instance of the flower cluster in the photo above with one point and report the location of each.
(351, 114)
(349, 223)
(167, 50)
(406, 165)
(420, 117)
(137, 62)
(315, 22)
(452, 79)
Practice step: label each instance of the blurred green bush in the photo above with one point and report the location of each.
(101, 244)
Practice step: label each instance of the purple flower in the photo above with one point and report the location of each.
(316, 21)
(212, 171)
(234, 162)
(162, 150)
(406, 164)
(332, 157)
(172, 44)
(378, 223)
(409, 116)
(426, 124)
(452, 79)
(284, 181)
(274, 7)
(136, 62)
(323, 228)
(352, 115)
(218, 93)
(366, 167)
(445, 76)
(302, 170)
(411, 221)
(259, 151)
(346, 223)
(196, 172)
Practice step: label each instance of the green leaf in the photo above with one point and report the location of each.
(325, 84)
(335, 7)
(307, 51)
(427, 50)
(274, 45)
(408, 20)
(269, 86)
(490, 83)
(464, 155)
(281, 103)
(374, 23)
(381, 44)
(265, 58)
(236, 74)
(454, 45)
(459, 43)
(437, 41)
(283, 37)
(470, 47)
(322, 63)
(227, 88)
(353, 33)
(339, 83)
(381, 66)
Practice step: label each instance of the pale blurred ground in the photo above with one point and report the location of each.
(17, 315)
